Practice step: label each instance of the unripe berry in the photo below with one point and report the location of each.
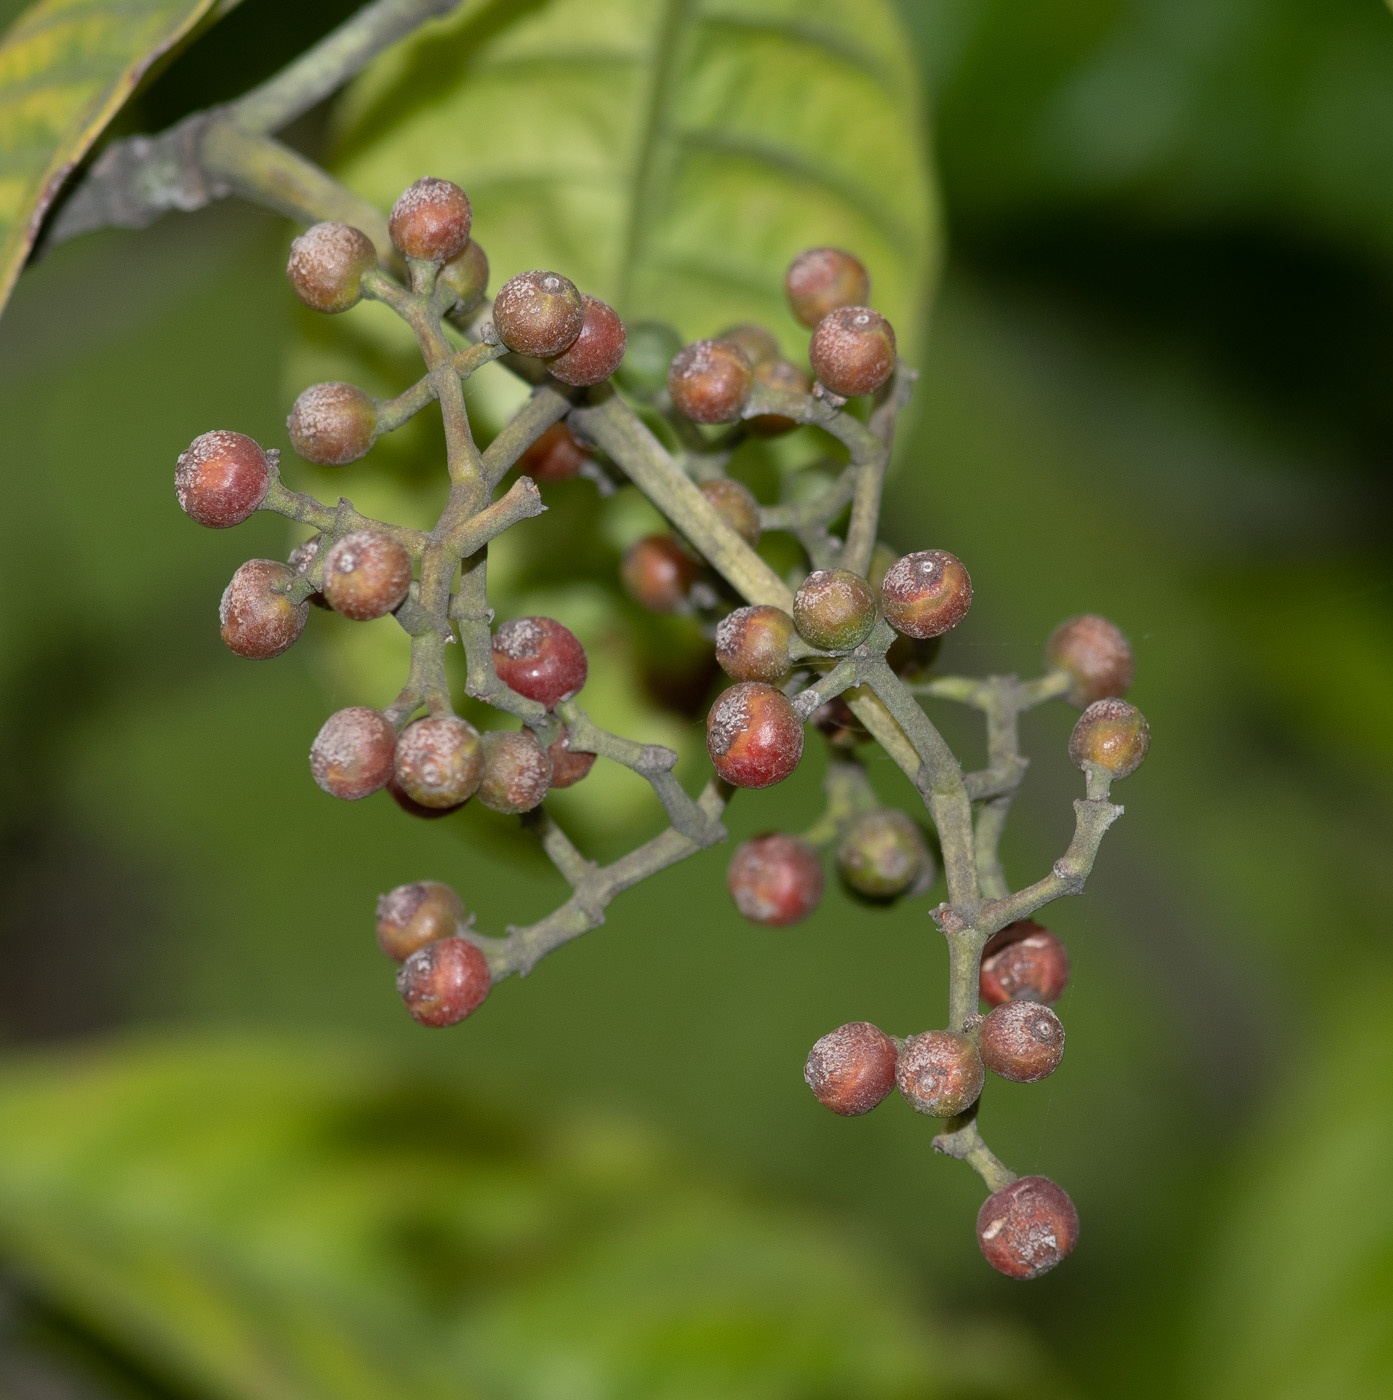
(836, 719)
(709, 381)
(852, 1068)
(926, 594)
(853, 351)
(257, 620)
(778, 374)
(596, 352)
(538, 313)
(333, 424)
(1112, 734)
(759, 345)
(430, 220)
(539, 658)
(366, 575)
(1096, 655)
(568, 767)
(327, 263)
(558, 455)
(647, 355)
(221, 478)
(1022, 1041)
(658, 573)
(819, 280)
(1023, 960)
(735, 503)
(466, 275)
(752, 644)
(412, 916)
(834, 609)
(1026, 1228)
(444, 981)
(754, 735)
(517, 771)
(883, 853)
(775, 879)
(439, 761)
(940, 1073)
(351, 756)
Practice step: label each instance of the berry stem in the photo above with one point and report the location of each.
(960, 1138)
(545, 407)
(337, 521)
(560, 849)
(821, 510)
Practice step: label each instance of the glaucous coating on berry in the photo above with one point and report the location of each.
(853, 351)
(466, 275)
(327, 263)
(411, 807)
(1023, 960)
(819, 280)
(778, 374)
(568, 766)
(926, 594)
(366, 575)
(834, 609)
(1028, 1227)
(351, 756)
(596, 352)
(538, 313)
(775, 879)
(940, 1073)
(430, 220)
(852, 1068)
(883, 853)
(1022, 1041)
(333, 424)
(517, 771)
(759, 344)
(659, 573)
(1112, 734)
(1096, 655)
(754, 735)
(444, 981)
(709, 381)
(221, 478)
(558, 455)
(539, 658)
(752, 643)
(647, 355)
(439, 761)
(256, 618)
(837, 721)
(413, 915)
(735, 503)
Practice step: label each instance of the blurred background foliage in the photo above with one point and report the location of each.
(1156, 385)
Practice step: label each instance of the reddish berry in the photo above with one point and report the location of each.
(1026, 1228)
(539, 658)
(221, 478)
(1022, 1041)
(647, 355)
(411, 807)
(595, 353)
(517, 771)
(352, 754)
(558, 455)
(759, 345)
(413, 915)
(834, 609)
(658, 573)
(1096, 655)
(466, 275)
(567, 767)
(852, 1068)
(883, 853)
(1023, 960)
(366, 575)
(775, 879)
(735, 503)
(538, 313)
(754, 735)
(430, 221)
(838, 722)
(258, 621)
(709, 381)
(439, 761)
(778, 374)
(444, 981)
(332, 424)
(327, 263)
(926, 594)
(819, 280)
(1112, 734)
(940, 1073)
(752, 644)
(853, 351)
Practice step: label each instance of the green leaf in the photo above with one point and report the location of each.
(66, 68)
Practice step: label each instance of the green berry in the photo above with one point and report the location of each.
(650, 348)
(834, 609)
(883, 854)
(1111, 734)
(466, 276)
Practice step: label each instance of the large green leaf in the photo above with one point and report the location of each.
(66, 67)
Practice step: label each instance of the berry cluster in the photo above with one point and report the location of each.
(848, 644)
